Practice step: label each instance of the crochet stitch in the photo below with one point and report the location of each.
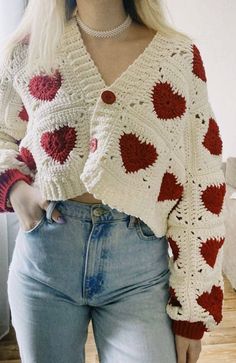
(148, 145)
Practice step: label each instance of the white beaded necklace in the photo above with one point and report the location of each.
(104, 33)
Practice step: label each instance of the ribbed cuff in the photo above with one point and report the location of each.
(188, 329)
(7, 179)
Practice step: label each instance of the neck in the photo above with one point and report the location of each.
(101, 14)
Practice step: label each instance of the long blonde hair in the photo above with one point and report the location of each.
(44, 21)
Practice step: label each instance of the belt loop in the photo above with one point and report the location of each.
(50, 209)
(132, 221)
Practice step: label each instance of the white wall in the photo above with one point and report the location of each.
(212, 24)
(10, 14)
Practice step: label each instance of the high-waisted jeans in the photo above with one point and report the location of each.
(103, 265)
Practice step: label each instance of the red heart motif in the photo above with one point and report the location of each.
(59, 143)
(213, 197)
(210, 249)
(172, 298)
(27, 157)
(167, 103)
(170, 189)
(198, 66)
(212, 302)
(212, 140)
(45, 87)
(135, 154)
(23, 115)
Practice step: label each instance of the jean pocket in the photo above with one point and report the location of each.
(144, 231)
(47, 216)
(37, 225)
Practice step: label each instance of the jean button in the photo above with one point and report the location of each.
(97, 212)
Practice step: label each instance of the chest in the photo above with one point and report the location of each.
(112, 58)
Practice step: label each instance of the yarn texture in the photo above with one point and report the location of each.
(148, 145)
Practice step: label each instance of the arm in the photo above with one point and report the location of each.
(13, 120)
(196, 228)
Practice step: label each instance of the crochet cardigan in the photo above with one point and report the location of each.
(148, 144)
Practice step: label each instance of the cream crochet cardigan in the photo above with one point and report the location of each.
(148, 144)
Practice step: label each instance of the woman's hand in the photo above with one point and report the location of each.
(188, 350)
(28, 205)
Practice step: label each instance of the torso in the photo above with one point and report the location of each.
(112, 58)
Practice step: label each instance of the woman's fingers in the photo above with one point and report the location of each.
(194, 351)
(181, 348)
(58, 217)
(188, 350)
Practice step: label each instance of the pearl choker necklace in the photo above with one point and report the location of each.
(104, 33)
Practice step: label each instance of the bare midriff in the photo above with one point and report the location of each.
(86, 198)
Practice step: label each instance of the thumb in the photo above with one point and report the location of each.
(57, 217)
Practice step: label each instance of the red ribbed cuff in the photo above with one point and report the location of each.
(188, 329)
(7, 179)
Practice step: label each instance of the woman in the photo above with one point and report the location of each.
(110, 151)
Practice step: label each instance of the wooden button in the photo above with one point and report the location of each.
(93, 144)
(108, 97)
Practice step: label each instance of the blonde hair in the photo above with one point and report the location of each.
(44, 21)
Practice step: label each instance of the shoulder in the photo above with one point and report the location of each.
(186, 52)
(180, 47)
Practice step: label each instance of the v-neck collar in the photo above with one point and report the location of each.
(82, 61)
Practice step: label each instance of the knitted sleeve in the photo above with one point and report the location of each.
(13, 119)
(196, 229)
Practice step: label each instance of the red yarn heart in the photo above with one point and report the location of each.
(59, 143)
(172, 298)
(210, 249)
(213, 197)
(135, 154)
(212, 140)
(167, 103)
(170, 189)
(23, 115)
(212, 302)
(45, 87)
(27, 157)
(198, 66)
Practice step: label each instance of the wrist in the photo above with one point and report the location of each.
(19, 185)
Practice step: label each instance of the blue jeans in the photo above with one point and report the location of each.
(103, 265)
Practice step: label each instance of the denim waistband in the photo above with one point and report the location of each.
(91, 211)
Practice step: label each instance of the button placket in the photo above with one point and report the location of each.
(107, 97)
